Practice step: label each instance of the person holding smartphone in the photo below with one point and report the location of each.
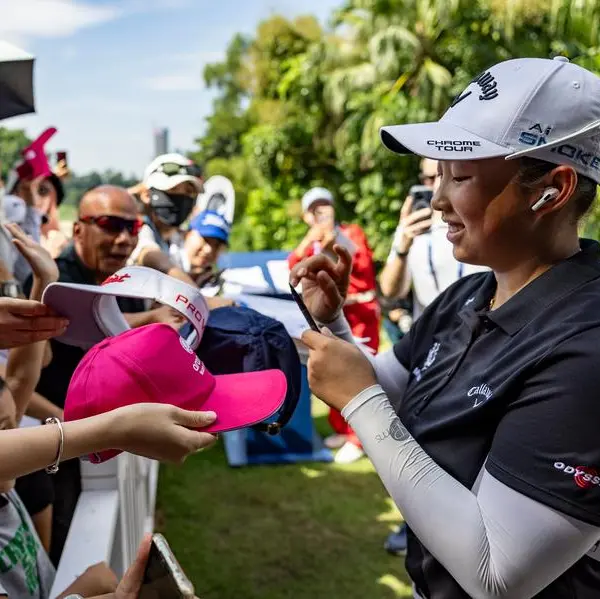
(361, 307)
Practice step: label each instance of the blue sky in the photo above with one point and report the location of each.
(109, 71)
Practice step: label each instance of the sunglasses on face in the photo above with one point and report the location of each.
(172, 168)
(114, 224)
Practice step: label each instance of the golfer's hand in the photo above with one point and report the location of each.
(324, 283)
(337, 370)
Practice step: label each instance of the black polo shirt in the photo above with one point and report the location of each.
(517, 388)
(55, 378)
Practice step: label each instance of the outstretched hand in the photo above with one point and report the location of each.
(42, 264)
(324, 283)
(27, 321)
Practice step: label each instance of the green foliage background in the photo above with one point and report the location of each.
(300, 105)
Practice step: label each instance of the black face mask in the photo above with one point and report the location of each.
(171, 208)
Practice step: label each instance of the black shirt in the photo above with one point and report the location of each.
(55, 378)
(516, 388)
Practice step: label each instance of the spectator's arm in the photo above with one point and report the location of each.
(25, 362)
(139, 319)
(23, 373)
(98, 580)
(41, 408)
(394, 279)
(158, 260)
(152, 257)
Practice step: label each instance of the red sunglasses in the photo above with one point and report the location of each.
(114, 224)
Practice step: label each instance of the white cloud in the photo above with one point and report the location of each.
(174, 82)
(23, 19)
(151, 5)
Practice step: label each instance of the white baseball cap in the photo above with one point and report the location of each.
(546, 109)
(94, 314)
(168, 170)
(316, 194)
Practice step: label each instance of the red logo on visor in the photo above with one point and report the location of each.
(196, 314)
(116, 279)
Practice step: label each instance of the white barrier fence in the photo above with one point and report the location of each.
(114, 511)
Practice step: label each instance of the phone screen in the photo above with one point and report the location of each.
(421, 196)
(61, 156)
(159, 578)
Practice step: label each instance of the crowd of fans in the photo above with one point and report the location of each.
(114, 227)
(159, 224)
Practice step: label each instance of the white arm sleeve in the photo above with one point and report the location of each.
(494, 541)
(391, 375)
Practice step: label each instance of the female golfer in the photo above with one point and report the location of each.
(483, 422)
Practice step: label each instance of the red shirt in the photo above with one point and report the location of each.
(362, 277)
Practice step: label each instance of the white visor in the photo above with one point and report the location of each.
(94, 314)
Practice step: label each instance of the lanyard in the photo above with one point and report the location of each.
(459, 274)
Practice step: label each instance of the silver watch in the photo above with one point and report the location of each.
(74, 597)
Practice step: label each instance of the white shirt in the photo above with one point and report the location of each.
(147, 239)
(431, 267)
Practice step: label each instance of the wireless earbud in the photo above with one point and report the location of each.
(550, 193)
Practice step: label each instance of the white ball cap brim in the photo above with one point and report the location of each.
(316, 194)
(439, 141)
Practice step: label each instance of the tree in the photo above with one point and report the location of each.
(12, 141)
(77, 185)
(299, 106)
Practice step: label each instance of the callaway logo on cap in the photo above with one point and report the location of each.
(547, 109)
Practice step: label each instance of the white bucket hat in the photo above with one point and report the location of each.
(546, 109)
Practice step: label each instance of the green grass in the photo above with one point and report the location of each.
(305, 531)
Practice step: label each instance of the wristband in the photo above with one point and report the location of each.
(53, 468)
(400, 254)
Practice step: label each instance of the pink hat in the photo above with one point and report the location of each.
(153, 364)
(35, 163)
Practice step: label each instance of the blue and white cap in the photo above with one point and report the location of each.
(316, 194)
(546, 109)
(212, 225)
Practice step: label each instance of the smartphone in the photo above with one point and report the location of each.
(300, 302)
(422, 196)
(62, 155)
(164, 577)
